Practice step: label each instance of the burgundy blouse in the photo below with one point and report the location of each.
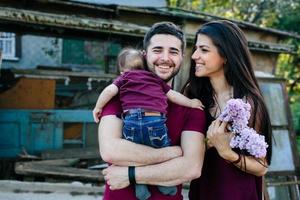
(221, 180)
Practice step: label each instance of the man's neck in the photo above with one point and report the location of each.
(170, 82)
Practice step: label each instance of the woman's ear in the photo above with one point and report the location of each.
(225, 61)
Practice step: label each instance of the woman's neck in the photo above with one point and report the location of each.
(222, 93)
(220, 85)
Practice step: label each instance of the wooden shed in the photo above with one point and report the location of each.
(74, 25)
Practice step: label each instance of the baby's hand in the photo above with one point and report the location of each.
(196, 103)
(96, 114)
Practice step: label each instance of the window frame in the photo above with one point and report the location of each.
(12, 53)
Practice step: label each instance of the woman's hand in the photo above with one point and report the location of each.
(219, 137)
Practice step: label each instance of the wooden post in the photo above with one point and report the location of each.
(265, 190)
(0, 56)
(0, 59)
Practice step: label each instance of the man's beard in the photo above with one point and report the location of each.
(174, 73)
(171, 65)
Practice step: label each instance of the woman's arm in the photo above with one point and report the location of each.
(220, 138)
(118, 151)
(249, 164)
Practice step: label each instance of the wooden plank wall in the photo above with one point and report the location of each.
(29, 93)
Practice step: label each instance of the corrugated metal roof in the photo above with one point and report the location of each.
(139, 3)
(71, 22)
(107, 26)
(242, 24)
(187, 14)
(159, 7)
(175, 14)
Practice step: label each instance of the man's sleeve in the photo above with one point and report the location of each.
(196, 121)
(113, 107)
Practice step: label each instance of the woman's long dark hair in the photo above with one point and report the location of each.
(233, 46)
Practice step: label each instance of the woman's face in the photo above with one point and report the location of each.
(209, 62)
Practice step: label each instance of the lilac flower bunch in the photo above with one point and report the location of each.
(237, 113)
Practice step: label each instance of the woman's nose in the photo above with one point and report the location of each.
(195, 55)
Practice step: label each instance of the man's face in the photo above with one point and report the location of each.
(164, 56)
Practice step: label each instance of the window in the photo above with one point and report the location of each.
(99, 55)
(8, 45)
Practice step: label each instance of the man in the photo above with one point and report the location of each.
(164, 44)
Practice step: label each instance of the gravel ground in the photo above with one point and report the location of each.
(52, 196)
(16, 190)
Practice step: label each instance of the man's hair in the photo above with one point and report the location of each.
(130, 58)
(168, 28)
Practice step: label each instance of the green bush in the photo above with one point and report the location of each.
(298, 144)
(295, 109)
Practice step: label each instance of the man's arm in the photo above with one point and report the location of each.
(172, 172)
(178, 170)
(118, 151)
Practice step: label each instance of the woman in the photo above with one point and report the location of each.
(221, 69)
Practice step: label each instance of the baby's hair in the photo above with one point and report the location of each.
(129, 59)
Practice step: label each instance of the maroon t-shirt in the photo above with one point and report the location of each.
(142, 89)
(221, 180)
(179, 118)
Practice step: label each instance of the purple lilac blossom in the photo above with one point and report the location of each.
(237, 113)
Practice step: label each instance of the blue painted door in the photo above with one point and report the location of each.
(36, 130)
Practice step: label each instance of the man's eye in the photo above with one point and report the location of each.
(174, 52)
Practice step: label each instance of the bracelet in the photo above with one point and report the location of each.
(238, 160)
(131, 175)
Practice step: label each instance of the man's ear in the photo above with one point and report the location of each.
(144, 53)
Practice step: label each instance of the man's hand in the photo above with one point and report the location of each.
(196, 103)
(96, 114)
(116, 177)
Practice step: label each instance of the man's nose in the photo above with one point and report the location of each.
(165, 56)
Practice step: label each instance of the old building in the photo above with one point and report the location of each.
(58, 55)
